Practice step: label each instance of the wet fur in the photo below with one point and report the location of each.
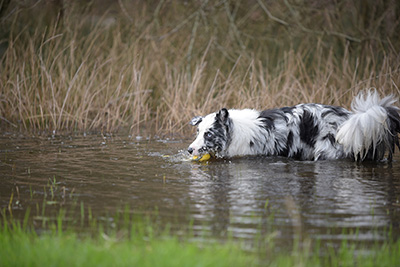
(304, 131)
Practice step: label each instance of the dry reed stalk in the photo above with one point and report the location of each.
(154, 67)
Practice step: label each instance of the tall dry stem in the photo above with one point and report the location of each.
(151, 66)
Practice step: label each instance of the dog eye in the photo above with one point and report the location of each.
(208, 135)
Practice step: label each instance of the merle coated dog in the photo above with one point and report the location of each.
(305, 131)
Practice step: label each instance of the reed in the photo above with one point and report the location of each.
(151, 65)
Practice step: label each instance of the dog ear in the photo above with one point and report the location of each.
(196, 120)
(223, 115)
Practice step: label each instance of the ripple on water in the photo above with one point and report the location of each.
(242, 196)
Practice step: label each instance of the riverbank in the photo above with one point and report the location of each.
(23, 247)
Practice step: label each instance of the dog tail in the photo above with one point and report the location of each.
(372, 128)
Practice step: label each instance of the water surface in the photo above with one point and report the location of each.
(241, 197)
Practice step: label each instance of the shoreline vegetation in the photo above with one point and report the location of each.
(138, 241)
(150, 66)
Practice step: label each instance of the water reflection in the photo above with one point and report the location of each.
(243, 197)
(313, 196)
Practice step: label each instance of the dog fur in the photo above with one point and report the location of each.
(305, 131)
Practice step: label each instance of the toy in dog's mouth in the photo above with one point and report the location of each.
(202, 158)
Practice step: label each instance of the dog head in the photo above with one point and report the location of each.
(212, 133)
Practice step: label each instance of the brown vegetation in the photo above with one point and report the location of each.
(152, 65)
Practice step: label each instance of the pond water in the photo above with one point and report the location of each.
(241, 197)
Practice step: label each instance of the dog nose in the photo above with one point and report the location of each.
(190, 150)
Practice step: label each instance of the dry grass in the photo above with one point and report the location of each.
(152, 66)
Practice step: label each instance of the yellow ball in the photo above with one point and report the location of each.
(205, 157)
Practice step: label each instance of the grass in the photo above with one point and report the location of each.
(152, 65)
(28, 249)
(21, 246)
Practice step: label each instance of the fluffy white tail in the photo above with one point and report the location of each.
(372, 128)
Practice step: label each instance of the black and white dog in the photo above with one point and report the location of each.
(304, 131)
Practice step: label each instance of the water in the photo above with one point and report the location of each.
(242, 197)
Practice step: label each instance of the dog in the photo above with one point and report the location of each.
(304, 132)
